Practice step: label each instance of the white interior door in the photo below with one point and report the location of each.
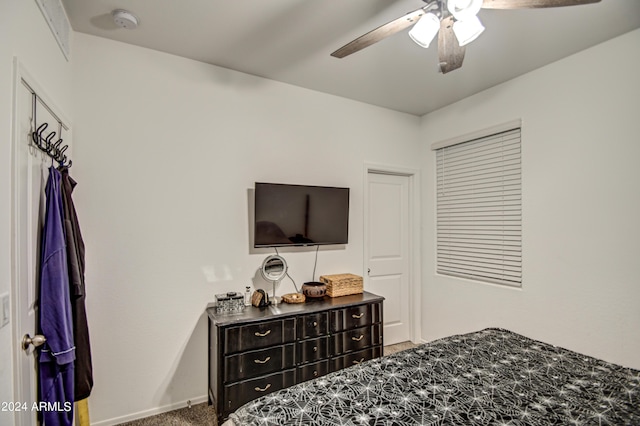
(387, 224)
(29, 179)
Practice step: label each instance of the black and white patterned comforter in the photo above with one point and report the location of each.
(490, 377)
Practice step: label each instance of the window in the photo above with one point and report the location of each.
(479, 206)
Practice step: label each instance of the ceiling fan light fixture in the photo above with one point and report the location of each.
(468, 30)
(464, 9)
(424, 31)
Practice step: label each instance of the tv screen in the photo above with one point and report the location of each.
(300, 215)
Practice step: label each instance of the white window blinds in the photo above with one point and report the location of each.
(479, 213)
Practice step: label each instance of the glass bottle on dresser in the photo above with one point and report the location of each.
(247, 296)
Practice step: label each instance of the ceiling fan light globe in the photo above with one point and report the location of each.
(464, 9)
(424, 31)
(468, 30)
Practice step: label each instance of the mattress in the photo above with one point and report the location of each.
(492, 376)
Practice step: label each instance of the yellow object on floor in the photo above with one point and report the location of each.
(82, 413)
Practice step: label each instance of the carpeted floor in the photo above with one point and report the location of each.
(204, 414)
(199, 414)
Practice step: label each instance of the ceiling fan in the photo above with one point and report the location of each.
(454, 21)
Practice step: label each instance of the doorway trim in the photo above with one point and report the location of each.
(415, 289)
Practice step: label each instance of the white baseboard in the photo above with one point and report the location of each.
(150, 412)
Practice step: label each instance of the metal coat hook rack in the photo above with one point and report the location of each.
(48, 144)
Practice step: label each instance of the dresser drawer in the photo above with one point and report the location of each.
(356, 339)
(258, 363)
(355, 358)
(237, 394)
(313, 325)
(313, 349)
(259, 335)
(311, 371)
(356, 316)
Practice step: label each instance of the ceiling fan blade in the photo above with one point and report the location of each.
(450, 53)
(379, 33)
(532, 4)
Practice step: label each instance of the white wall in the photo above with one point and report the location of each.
(166, 152)
(25, 35)
(581, 207)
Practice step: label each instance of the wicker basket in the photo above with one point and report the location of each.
(342, 284)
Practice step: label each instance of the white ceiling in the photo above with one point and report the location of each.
(291, 41)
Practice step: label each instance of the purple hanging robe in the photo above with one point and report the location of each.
(56, 361)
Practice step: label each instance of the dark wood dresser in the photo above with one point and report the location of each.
(261, 350)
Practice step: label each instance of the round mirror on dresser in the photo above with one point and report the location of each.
(274, 269)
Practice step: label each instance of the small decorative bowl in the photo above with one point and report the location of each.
(314, 289)
(293, 298)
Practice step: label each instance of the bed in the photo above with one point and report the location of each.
(492, 376)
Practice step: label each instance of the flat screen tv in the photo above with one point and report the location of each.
(299, 215)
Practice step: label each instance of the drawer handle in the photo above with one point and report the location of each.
(262, 334)
(257, 361)
(357, 339)
(263, 390)
(315, 323)
(315, 349)
(315, 373)
(358, 316)
(358, 362)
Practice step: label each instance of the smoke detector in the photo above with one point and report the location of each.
(125, 19)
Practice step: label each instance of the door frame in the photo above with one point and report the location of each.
(415, 289)
(20, 74)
